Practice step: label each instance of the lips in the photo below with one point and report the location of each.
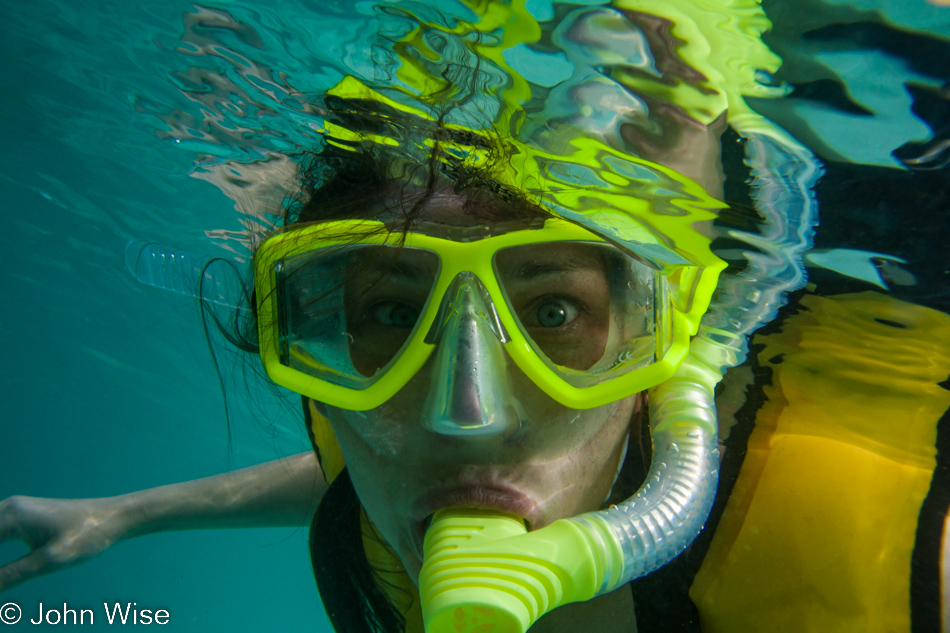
(482, 496)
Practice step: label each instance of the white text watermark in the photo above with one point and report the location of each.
(113, 613)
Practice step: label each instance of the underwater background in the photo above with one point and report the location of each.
(139, 123)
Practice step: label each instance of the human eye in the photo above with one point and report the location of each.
(394, 314)
(552, 312)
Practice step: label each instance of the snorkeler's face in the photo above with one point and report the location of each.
(402, 490)
(542, 461)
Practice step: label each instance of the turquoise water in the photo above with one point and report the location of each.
(116, 120)
(107, 384)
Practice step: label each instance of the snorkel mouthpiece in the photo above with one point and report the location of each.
(482, 571)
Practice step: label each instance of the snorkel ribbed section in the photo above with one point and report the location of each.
(657, 523)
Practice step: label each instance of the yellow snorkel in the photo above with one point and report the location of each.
(482, 568)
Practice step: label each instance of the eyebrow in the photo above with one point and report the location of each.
(533, 270)
(395, 268)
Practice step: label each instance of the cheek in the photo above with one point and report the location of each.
(377, 480)
(590, 472)
(388, 432)
(368, 470)
(601, 459)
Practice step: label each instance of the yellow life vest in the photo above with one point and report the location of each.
(819, 530)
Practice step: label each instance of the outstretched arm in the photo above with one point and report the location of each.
(65, 532)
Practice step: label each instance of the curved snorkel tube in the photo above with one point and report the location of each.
(485, 568)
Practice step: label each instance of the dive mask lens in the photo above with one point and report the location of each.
(587, 309)
(349, 312)
(346, 313)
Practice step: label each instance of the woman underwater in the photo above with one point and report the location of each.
(466, 338)
(400, 246)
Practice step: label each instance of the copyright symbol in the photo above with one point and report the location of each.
(10, 613)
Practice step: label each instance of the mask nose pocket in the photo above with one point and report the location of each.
(469, 388)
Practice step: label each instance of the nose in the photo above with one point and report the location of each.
(469, 388)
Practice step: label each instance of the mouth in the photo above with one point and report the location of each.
(484, 497)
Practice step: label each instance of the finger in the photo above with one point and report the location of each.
(30, 566)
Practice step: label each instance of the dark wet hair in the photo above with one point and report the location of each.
(364, 179)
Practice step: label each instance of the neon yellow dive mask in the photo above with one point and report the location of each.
(349, 312)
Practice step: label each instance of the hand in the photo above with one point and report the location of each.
(60, 533)
(65, 532)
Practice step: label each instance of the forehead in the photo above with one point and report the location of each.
(452, 209)
(448, 208)
(525, 263)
